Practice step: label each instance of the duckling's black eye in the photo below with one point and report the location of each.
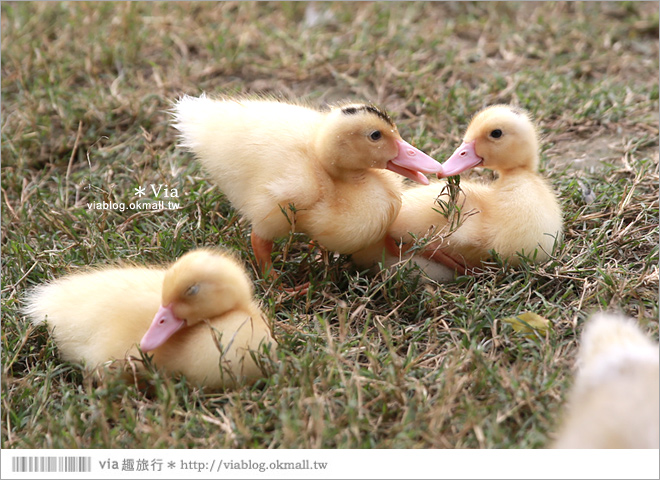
(375, 135)
(497, 133)
(192, 291)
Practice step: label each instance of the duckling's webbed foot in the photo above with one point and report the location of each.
(393, 247)
(461, 266)
(301, 289)
(262, 250)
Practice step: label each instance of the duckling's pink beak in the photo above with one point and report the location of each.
(463, 158)
(163, 326)
(411, 162)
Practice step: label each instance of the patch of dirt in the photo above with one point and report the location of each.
(585, 154)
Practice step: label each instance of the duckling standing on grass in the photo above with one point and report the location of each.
(516, 213)
(615, 401)
(287, 167)
(197, 317)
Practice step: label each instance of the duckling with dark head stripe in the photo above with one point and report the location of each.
(334, 169)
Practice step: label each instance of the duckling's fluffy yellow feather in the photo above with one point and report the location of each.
(101, 315)
(615, 400)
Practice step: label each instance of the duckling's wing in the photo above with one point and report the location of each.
(97, 316)
(260, 153)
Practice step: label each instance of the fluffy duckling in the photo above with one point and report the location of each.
(516, 213)
(615, 401)
(334, 168)
(176, 313)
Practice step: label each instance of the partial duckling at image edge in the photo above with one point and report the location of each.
(615, 399)
(334, 169)
(518, 213)
(197, 317)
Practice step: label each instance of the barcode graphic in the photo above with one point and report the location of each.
(51, 464)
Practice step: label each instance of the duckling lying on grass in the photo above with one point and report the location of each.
(287, 167)
(197, 317)
(516, 213)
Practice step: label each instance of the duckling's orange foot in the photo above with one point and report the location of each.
(263, 248)
(461, 266)
(301, 289)
(393, 247)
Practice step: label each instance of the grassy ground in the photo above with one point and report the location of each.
(381, 361)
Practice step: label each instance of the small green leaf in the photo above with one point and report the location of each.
(529, 324)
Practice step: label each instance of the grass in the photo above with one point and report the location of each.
(365, 361)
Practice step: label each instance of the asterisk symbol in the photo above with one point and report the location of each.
(139, 191)
(171, 465)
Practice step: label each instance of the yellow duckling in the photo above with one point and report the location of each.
(334, 168)
(516, 213)
(176, 313)
(615, 401)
